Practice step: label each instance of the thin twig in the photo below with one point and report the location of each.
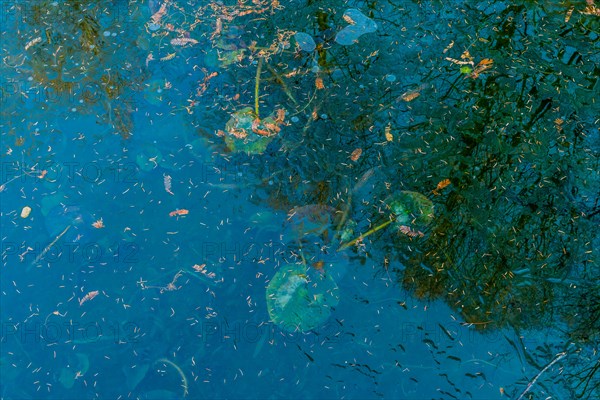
(47, 248)
(558, 357)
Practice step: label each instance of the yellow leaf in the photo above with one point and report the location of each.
(388, 134)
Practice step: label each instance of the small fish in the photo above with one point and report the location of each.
(363, 179)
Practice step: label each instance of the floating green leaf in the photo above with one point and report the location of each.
(411, 209)
(240, 132)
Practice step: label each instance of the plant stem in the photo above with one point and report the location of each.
(184, 382)
(377, 228)
(256, 87)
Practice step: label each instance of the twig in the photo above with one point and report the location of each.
(43, 253)
(558, 357)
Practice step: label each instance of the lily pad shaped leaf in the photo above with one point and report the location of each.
(299, 299)
(360, 24)
(411, 209)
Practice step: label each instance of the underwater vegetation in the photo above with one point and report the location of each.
(298, 298)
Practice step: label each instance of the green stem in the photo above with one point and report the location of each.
(256, 87)
(377, 228)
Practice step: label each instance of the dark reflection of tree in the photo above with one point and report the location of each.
(71, 58)
(514, 237)
(586, 383)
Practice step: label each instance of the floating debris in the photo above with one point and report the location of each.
(25, 212)
(182, 41)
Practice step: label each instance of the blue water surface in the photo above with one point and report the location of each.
(106, 119)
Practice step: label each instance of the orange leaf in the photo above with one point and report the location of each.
(486, 61)
(410, 96)
(356, 154)
(442, 184)
(319, 83)
(179, 212)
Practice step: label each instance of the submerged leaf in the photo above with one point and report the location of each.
(298, 298)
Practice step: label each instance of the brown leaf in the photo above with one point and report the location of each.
(319, 83)
(441, 185)
(356, 154)
(388, 134)
(410, 96)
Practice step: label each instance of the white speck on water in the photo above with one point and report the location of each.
(106, 33)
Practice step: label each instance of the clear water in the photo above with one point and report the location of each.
(434, 172)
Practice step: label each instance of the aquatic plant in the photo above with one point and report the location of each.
(247, 133)
(410, 214)
(299, 299)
